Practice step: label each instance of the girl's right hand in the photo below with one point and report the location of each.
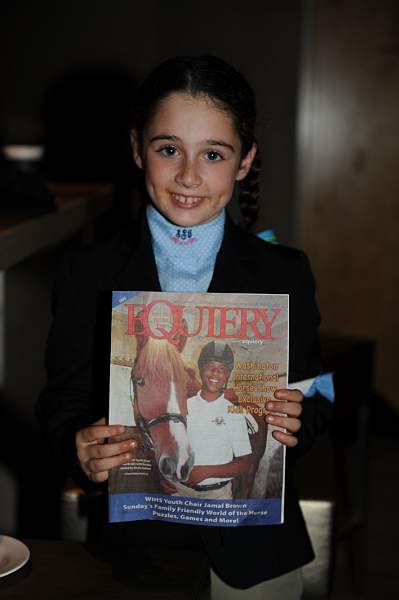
(97, 458)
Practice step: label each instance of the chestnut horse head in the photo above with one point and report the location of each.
(159, 382)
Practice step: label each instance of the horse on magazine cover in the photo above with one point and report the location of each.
(159, 400)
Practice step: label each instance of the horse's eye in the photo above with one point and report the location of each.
(140, 381)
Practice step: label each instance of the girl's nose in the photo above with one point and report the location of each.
(188, 175)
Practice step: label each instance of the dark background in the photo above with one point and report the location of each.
(68, 67)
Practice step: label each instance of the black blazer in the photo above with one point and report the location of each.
(77, 361)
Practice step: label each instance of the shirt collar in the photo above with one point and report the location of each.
(199, 241)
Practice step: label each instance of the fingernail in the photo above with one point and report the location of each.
(128, 456)
(132, 444)
(269, 418)
(280, 394)
(270, 405)
(121, 429)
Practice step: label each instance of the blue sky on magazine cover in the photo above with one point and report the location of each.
(122, 297)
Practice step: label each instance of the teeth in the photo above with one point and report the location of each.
(188, 200)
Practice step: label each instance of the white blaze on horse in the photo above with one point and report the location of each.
(159, 381)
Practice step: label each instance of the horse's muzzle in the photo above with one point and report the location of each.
(171, 470)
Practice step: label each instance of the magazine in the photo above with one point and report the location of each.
(190, 377)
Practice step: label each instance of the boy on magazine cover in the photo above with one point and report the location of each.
(218, 436)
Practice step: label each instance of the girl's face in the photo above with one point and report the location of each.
(191, 156)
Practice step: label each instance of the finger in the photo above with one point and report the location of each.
(101, 421)
(107, 450)
(291, 424)
(98, 477)
(285, 438)
(288, 395)
(96, 433)
(292, 409)
(96, 465)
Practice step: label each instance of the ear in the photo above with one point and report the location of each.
(140, 335)
(136, 148)
(180, 337)
(246, 163)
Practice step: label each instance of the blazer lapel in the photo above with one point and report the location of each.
(231, 273)
(139, 270)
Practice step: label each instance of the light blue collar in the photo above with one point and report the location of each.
(185, 256)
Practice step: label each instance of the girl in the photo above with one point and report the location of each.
(193, 140)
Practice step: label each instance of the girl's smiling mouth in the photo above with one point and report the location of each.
(182, 201)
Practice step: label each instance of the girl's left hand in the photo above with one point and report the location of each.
(289, 403)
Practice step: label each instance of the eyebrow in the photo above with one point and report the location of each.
(174, 138)
(220, 143)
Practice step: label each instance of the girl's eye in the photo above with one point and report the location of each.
(168, 151)
(213, 156)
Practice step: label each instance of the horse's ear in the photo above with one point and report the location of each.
(138, 332)
(180, 337)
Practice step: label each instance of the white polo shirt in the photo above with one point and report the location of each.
(216, 436)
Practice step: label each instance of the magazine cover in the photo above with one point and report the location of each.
(190, 376)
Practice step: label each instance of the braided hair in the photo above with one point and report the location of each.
(212, 77)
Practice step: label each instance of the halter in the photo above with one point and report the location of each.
(146, 424)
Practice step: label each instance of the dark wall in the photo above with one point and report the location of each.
(67, 70)
(349, 148)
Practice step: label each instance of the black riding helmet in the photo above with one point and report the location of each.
(217, 351)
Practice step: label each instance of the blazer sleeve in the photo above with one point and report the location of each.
(65, 405)
(305, 358)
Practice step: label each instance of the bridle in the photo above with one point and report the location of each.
(146, 424)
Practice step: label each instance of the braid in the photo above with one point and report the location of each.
(249, 194)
